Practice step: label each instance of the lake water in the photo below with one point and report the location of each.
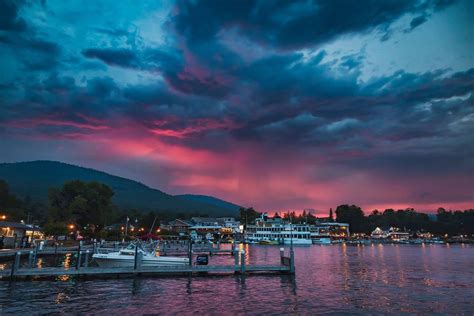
(336, 279)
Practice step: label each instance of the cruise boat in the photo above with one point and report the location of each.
(320, 235)
(126, 258)
(277, 232)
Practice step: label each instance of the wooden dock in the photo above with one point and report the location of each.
(82, 268)
(7, 254)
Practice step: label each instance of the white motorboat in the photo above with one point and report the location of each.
(321, 240)
(126, 258)
(297, 241)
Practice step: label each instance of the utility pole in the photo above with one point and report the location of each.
(126, 226)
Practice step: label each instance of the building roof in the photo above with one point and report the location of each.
(179, 222)
(16, 225)
(207, 221)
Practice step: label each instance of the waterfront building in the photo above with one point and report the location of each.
(15, 233)
(393, 233)
(204, 227)
(179, 226)
(327, 232)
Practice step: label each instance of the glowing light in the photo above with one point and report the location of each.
(71, 226)
(3, 217)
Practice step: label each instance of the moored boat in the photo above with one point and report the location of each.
(126, 258)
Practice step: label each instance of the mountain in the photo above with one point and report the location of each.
(210, 200)
(34, 178)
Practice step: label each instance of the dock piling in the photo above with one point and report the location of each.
(79, 259)
(86, 262)
(135, 265)
(282, 254)
(16, 264)
(236, 261)
(242, 262)
(139, 260)
(30, 259)
(36, 255)
(292, 261)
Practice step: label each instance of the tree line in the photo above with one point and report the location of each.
(79, 205)
(443, 222)
(89, 206)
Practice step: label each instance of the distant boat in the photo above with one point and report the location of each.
(126, 258)
(321, 240)
(268, 242)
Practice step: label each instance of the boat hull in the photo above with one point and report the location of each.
(296, 241)
(321, 241)
(117, 262)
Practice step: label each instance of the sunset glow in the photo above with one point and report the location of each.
(239, 104)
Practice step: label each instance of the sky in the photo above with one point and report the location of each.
(279, 105)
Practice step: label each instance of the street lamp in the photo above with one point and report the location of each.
(3, 217)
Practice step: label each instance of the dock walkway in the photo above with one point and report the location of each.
(285, 266)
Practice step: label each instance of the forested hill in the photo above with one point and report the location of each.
(33, 179)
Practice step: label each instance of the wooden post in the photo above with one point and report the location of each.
(36, 255)
(236, 261)
(16, 264)
(139, 260)
(30, 259)
(292, 261)
(78, 262)
(282, 254)
(242, 262)
(86, 262)
(136, 257)
(190, 251)
(55, 253)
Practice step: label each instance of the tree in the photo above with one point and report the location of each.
(88, 204)
(331, 217)
(248, 215)
(10, 205)
(353, 215)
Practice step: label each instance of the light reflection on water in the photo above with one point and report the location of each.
(377, 279)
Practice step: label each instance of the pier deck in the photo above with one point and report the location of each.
(82, 268)
(170, 270)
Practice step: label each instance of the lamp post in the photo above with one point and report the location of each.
(126, 226)
(71, 227)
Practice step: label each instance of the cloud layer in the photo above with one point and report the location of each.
(279, 105)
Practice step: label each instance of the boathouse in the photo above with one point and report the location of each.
(14, 232)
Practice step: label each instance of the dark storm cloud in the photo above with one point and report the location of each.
(9, 18)
(280, 23)
(227, 76)
(114, 57)
(35, 52)
(415, 22)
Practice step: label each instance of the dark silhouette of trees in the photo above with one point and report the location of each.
(87, 204)
(248, 215)
(353, 215)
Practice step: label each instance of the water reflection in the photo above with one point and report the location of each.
(340, 279)
(136, 286)
(67, 261)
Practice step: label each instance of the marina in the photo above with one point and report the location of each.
(133, 260)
